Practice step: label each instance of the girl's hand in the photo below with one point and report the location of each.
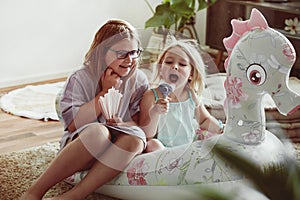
(116, 121)
(161, 106)
(110, 79)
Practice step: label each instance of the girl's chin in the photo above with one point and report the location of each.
(124, 72)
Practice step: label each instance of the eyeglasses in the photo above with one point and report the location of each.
(123, 54)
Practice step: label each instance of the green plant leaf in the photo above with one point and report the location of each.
(205, 3)
(183, 8)
(184, 11)
(163, 17)
(276, 181)
(175, 13)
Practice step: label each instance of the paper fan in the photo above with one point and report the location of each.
(110, 103)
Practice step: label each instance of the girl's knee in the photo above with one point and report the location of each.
(96, 132)
(132, 143)
(95, 137)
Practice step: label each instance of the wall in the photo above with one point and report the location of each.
(43, 39)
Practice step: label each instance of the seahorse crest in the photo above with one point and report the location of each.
(239, 28)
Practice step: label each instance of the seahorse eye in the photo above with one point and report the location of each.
(256, 74)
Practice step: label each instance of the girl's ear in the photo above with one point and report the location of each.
(190, 77)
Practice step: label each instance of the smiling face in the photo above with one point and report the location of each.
(123, 66)
(176, 67)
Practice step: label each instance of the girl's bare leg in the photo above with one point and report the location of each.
(109, 165)
(71, 159)
(154, 145)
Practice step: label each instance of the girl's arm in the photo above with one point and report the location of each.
(148, 119)
(87, 113)
(91, 110)
(150, 112)
(207, 121)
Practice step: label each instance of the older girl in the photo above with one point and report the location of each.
(104, 146)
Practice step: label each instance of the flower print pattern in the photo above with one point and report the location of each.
(174, 164)
(251, 137)
(234, 92)
(288, 52)
(292, 26)
(203, 134)
(136, 173)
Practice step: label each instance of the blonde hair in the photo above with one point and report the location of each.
(192, 49)
(109, 34)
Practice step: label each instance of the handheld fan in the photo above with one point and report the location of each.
(110, 103)
(165, 89)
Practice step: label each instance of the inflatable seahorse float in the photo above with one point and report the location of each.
(259, 62)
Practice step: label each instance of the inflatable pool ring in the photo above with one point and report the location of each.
(259, 61)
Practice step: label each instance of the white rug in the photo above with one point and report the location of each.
(36, 102)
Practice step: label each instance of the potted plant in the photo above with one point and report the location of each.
(176, 15)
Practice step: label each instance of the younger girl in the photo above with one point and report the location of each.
(175, 119)
(104, 146)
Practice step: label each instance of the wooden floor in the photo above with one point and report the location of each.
(18, 133)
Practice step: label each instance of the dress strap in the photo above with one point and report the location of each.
(190, 95)
(191, 98)
(155, 94)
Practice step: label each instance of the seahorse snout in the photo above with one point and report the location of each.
(294, 110)
(287, 102)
